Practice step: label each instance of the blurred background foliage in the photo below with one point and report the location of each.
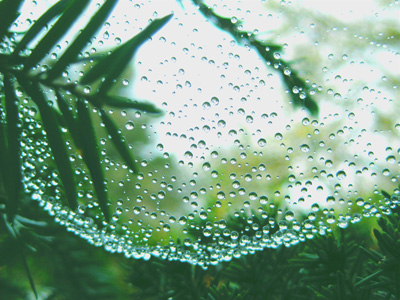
(351, 263)
(40, 257)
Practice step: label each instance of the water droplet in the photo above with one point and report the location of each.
(129, 125)
(391, 159)
(262, 142)
(289, 216)
(341, 175)
(206, 105)
(86, 89)
(215, 101)
(221, 123)
(305, 148)
(287, 71)
(188, 154)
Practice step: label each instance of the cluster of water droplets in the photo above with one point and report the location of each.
(230, 167)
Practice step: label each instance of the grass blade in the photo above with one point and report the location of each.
(56, 141)
(71, 13)
(121, 102)
(117, 140)
(114, 64)
(39, 24)
(91, 154)
(83, 38)
(14, 173)
(8, 14)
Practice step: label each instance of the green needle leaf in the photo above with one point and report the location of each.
(385, 194)
(266, 51)
(117, 139)
(83, 38)
(70, 119)
(14, 173)
(369, 278)
(3, 152)
(92, 155)
(114, 64)
(8, 14)
(56, 141)
(71, 13)
(29, 274)
(39, 24)
(293, 81)
(121, 102)
(20, 248)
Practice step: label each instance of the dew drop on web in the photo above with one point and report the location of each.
(233, 165)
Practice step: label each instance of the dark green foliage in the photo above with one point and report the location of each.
(384, 265)
(19, 67)
(267, 273)
(20, 71)
(65, 266)
(332, 266)
(157, 279)
(329, 267)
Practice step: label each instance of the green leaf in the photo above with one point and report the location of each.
(83, 38)
(117, 140)
(14, 174)
(39, 24)
(8, 14)
(56, 141)
(121, 102)
(91, 153)
(71, 13)
(114, 64)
